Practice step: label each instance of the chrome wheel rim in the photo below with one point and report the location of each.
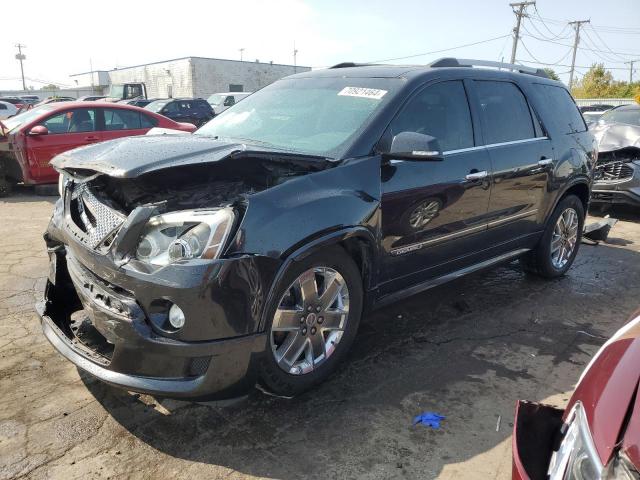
(310, 320)
(424, 213)
(564, 238)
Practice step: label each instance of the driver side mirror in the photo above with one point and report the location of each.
(39, 130)
(414, 146)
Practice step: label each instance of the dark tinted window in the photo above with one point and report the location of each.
(504, 112)
(186, 106)
(147, 122)
(442, 111)
(118, 119)
(3, 106)
(171, 107)
(559, 110)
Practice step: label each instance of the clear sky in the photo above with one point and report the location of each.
(66, 37)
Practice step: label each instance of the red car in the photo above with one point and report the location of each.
(598, 435)
(30, 140)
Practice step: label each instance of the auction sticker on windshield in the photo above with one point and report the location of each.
(374, 93)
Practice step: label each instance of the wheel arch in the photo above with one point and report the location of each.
(579, 187)
(358, 242)
(10, 167)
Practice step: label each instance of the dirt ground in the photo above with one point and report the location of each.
(467, 350)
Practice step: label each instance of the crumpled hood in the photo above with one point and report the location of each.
(606, 390)
(615, 136)
(130, 157)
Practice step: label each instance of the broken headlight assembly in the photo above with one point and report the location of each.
(184, 235)
(577, 458)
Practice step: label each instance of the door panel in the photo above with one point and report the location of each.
(67, 130)
(434, 212)
(521, 159)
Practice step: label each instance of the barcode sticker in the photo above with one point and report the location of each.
(362, 92)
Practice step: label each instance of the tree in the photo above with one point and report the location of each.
(51, 86)
(551, 73)
(599, 83)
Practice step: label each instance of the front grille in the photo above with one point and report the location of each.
(96, 223)
(613, 171)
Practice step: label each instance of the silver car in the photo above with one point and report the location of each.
(617, 173)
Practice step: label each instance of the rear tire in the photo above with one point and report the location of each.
(559, 244)
(321, 334)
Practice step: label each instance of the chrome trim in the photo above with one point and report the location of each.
(477, 175)
(491, 145)
(500, 221)
(417, 246)
(545, 161)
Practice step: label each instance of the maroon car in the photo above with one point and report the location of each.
(598, 435)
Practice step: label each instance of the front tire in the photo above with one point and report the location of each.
(312, 322)
(559, 244)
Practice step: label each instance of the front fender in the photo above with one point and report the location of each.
(280, 220)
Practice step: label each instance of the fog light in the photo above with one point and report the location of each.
(176, 317)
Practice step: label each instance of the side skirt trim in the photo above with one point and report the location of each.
(434, 282)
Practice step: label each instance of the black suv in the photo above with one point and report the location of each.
(197, 266)
(190, 110)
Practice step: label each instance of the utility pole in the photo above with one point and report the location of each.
(295, 57)
(520, 12)
(578, 24)
(241, 52)
(20, 56)
(630, 63)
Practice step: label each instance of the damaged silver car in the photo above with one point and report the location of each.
(617, 174)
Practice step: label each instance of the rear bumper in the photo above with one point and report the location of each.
(536, 431)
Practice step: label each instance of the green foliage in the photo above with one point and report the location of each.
(552, 73)
(599, 83)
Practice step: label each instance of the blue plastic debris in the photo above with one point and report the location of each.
(431, 419)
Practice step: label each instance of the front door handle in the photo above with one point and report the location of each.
(543, 162)
(91, 138)
(477, 175)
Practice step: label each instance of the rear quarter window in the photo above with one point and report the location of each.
(558, 109)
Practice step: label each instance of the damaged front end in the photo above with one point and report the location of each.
(617, 172)
(141, 292)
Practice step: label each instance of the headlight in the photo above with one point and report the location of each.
(183, 235)
(577, 458)
(62, 180)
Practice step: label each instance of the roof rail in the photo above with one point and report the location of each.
(466, 62)
(351, 64)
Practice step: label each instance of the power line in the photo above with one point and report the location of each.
(603, 42)
(567, 65)
(440, 51)
(581, 48)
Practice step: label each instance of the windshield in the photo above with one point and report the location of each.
(216, 99)
(309, 115)
(116, 91)
(629, 116)
(157, 105)
(27, 116)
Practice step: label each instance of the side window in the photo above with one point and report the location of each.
(185, 106)
(559, 109)
(3, 106)
(229, 101)
(440, 110)
(171, 107)
(117, 119)
(72, 121)
(504, 112)
(147, 121)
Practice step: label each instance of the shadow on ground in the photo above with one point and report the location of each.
(467, 350)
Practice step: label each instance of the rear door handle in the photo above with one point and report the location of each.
(543, 162)
(477, 175)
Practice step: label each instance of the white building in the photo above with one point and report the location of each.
(191, 76)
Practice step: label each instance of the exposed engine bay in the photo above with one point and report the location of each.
(223, 183)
